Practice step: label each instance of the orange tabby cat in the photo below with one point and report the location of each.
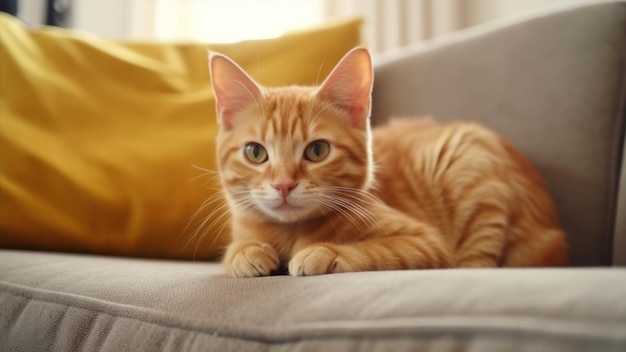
(311, 189)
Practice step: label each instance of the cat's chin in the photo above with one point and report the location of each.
(288, 213)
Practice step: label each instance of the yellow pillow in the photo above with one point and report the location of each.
(98, 138)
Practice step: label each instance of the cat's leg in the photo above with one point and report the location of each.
(536, 246)
(394, 252)
(483, 239)
(249, 258)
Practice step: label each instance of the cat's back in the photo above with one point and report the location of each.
(457, 175)
(435, 153)
(419, 159)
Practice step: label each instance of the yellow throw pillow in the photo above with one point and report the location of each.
(99, 138)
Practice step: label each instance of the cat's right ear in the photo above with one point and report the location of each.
(349, 86)
(234, 89)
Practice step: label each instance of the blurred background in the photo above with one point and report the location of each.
(388, 23)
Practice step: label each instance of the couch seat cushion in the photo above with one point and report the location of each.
(77, 302)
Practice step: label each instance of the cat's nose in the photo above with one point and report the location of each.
(284, 187)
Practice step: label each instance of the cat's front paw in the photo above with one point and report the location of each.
(251, 260)
(317, 260)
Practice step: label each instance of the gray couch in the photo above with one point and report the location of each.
(553, 83)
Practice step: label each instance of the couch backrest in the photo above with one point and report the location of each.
(553, 84)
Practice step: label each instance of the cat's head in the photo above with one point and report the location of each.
(290, 154)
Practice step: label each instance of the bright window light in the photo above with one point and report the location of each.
(229, 21)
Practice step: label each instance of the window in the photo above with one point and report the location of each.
(228, 21)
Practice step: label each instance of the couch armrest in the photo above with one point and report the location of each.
(619, 245)
(552, 83)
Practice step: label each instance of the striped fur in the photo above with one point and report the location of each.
(409, 195)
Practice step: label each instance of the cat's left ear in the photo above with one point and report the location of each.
(234, 89)
(349, 86)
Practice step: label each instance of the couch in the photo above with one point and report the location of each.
(552, 82)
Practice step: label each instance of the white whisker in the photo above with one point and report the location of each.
(215, 215)
(319, 70)
(317, 79)
(336, 204)
(208, 229)
(256, 102)
(208, 171)
(350, 199)
(324, 107)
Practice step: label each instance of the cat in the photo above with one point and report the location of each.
(313, 189)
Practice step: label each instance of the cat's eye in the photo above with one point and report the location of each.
(317, 151)
(255, 153)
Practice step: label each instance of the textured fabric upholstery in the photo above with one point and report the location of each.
(553, 84)
(69, 303)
